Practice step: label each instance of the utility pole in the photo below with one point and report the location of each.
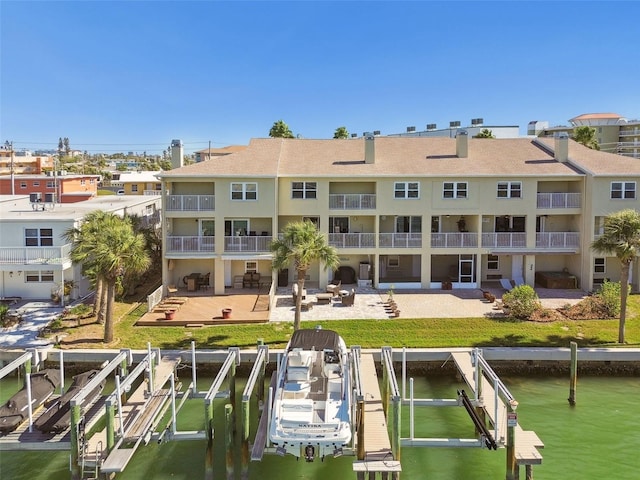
(7, 145)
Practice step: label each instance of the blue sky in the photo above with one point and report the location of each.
(131, 76)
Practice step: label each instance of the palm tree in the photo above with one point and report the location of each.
(302, 244)
(621, 237)
(107, 245)
(280, 129)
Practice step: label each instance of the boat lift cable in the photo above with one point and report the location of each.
(489, 441)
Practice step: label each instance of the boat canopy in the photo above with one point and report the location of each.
(316, 339)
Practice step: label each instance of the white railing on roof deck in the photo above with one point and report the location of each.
(504, 240)
(352, 240)
(400, 240)
(557, 240)
(352, 201)
(35, 255)
(190, 203)
(190, 243)
(247, 243)
(454, 240)
(559, 200)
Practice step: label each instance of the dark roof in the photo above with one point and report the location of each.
(316, 339)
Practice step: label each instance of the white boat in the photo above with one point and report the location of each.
(311, 414)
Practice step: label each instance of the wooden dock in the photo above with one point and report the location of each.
(378, 454)
(527, 443)
(138, 414)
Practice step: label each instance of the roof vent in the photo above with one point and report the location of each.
(411, 129)
(431, 126)
(477, 122)
(454, 124)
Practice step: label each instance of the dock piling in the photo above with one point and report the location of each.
(229, 428)
(574, 373)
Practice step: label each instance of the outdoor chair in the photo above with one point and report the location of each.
(348, 300)
(335, 289)
(171, 289)
(294, 292)
(203, 281)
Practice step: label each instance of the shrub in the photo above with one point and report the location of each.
(609, 295)
(4, 309)
(522, 301)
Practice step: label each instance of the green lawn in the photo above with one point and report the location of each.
(449, 332)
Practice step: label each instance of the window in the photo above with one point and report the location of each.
(393, 261)
(92, 181)
(408, 224)
(23, 184)
(599, 265)
(509, 189)
(493, 263)
(454, 190)
(83, 181)
(406, 190)
(37, 277)
(623, 190)
(250, 267)
(51, 184)
(134, 187)
(304, 189)
(38, 237)
(244, 191)
(36, 184)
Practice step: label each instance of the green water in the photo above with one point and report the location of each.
(597, 439)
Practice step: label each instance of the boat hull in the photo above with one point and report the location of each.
(311, 412)
(16, 410)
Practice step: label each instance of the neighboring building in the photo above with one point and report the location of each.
(209, 153)
(66, 188)
(34, 256)
(412, 212)
(477, 125)
(23, 162)
(615, 134)
(137, 183)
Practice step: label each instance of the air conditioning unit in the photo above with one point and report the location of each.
(411, 129)
(431, 126)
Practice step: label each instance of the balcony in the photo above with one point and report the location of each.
(504, 240)
(634, 144)
(352, 240)
(400, 240)
(629, 133)
(35, 255)
(247, 244)
(558, 240)
(190, 203)
(190, 244)
(352, 201)
(559, 200)
(454, 240)
(152, 192)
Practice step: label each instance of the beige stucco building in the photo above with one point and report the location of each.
(403, 212)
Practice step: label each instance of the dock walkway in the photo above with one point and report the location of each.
(378, 454)
(527, 443)
(138, 413)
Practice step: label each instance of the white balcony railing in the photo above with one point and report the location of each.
(400, 240)
(190, 203)
(504, 240)
(559, 200)
(352, 240)
(634, 144)
(454, 240)
(153, 192)
(247, 244)
(557, 240)
(629, 133)
(35, 255)
(190, 244)
(352, 201)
